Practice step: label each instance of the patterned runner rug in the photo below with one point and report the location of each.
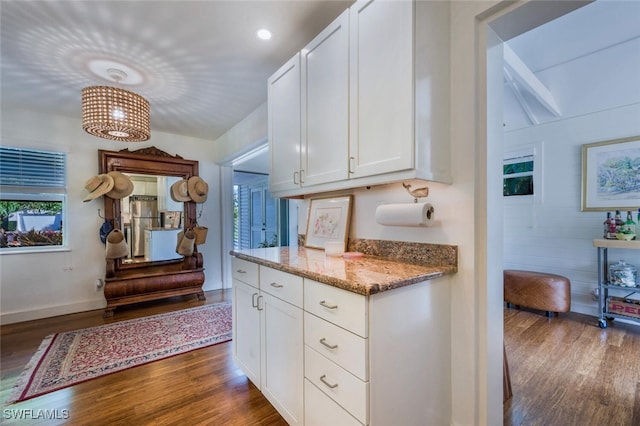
(69, 358)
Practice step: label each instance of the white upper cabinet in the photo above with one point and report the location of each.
(374, 95)
(325, 104)
(381, 87)
(283, 118)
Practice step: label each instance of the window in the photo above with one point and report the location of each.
(522, 173)
(256, 214)
(32, 200)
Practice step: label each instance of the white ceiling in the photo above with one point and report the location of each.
(201, 66)
(203, 69)
(588, 60)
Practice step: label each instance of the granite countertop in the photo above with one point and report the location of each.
(365, 275)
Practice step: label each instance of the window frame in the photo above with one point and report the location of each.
(40, 194)
(534, 150)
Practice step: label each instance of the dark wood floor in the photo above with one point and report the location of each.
(567, 371)
(564, 371)
(202, 387)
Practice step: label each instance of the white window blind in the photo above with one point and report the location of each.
(30, 168)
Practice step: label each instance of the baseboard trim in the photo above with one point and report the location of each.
(51, 311)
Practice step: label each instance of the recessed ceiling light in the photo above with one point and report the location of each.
(263, 34)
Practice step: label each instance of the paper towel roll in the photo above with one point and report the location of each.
(409, 214)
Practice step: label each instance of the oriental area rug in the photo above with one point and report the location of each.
(66, 359)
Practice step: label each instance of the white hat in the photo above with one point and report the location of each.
(198, 189)
(97, 186)
(180, 191)
(186, 243)
(122, 186)
(116, 245)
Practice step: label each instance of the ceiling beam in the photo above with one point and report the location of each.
(518, 71)
(517, 92)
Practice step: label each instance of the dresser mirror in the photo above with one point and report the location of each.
(149, 218)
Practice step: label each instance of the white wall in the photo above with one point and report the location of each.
(456, 224)
(555, 236)
(38, 285)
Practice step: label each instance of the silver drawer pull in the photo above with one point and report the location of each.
(332, 386)
(240, 271)
(323, 303)
(258, 303)
(276, 285)
(324, 342)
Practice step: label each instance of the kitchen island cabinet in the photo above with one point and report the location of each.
(376, 339)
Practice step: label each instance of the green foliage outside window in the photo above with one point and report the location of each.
(44, 235)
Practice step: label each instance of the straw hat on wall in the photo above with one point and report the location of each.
(116, 245)
(198, 189)
(180, 191)
(97, 186)
(187, 243)
(122, 186)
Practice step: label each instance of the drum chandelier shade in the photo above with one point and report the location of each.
(116, 114)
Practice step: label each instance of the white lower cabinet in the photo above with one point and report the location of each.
(320, 410)
(268, 335)
(282, 358)
(328, 356)
(246, 330)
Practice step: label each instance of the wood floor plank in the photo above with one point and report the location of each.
(566, 370)
(201, 387)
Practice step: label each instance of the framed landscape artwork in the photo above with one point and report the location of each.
(328, 220)
(611, 175)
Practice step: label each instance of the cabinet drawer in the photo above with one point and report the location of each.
(337, 383)
(245, 271)
(320, 410)
(346, 349)
(282, 285)
(341, 307)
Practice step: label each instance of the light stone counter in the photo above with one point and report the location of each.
(365, 275)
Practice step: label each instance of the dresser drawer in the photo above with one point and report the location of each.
(245, 271)
(346, 349)
(320, 410)
(341, 307)
(341, 386)
(282, 285)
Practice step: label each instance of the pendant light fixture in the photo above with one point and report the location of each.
(114, 113)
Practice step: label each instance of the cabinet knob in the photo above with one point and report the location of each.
(276, 285)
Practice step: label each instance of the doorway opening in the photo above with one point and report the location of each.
(259, 220)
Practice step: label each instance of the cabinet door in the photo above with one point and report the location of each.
(381, 87)
(284, 126)
(246, 330)
(325, 104)
(282, 357)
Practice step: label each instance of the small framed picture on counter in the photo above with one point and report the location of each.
(328, 220)
(610, 177)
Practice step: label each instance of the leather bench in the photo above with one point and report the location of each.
(537, 290)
